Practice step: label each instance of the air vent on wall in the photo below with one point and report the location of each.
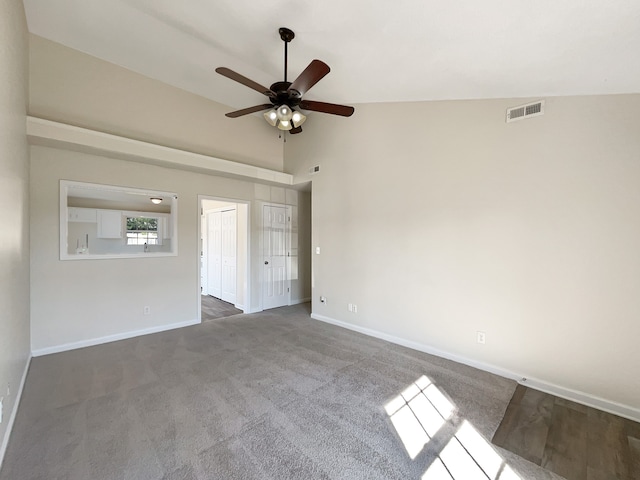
(315, 169)
(525, 111)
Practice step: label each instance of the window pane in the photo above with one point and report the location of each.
(142, 224)
(140, 238)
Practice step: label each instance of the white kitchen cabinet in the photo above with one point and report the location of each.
(87, 215)
(110, 223)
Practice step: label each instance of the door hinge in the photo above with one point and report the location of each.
(288, 219)
(287, 289)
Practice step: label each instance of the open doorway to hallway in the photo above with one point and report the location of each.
(223, 257)
(214, 308)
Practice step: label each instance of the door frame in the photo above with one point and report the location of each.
(246, 307)
(288, 240)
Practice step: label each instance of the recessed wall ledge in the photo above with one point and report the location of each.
(60, 135)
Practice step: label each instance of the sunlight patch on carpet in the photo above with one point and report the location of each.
(419, 412)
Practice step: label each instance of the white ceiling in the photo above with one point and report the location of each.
(406, 50)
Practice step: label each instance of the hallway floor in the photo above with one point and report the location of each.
(214, 308)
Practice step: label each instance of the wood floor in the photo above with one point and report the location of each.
(214, 308)
(572, 440)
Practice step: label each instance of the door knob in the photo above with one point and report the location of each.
(266, 262)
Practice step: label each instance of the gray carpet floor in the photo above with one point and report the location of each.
(273, 395)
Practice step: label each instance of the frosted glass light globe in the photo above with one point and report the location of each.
(284, 125)
(298, 118)
(284, 113)
(272, 117)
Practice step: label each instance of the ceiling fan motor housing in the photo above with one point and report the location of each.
(284, 95)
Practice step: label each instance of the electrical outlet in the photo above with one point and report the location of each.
(147, 310)
(480, 337)
(355, 308)
(350, 307)
(323, 299)
(8, 389)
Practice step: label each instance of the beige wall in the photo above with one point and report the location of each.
(74, 302)
(439, 219)
(71, 87)
(14, 208)
(301, 252)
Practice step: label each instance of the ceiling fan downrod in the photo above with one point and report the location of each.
(286, 35)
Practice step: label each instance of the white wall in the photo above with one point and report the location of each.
(82, 301)
(301, 248)
(242, 253)
(75, 88)
(14, 209)
(439, 219)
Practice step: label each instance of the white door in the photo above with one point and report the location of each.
(214, 254)
(204, 278)
(275, 235)
(229, 241)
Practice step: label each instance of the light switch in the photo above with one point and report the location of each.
(317, 250)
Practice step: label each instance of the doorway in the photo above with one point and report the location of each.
(223, 249)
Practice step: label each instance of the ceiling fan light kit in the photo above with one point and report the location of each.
(285, 96)
(284, 118)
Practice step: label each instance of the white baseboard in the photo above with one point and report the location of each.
(583, 398)
(14, 412)
(110, 338)
(420, 347)
(577, 396)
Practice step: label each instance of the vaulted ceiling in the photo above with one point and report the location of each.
(406, 50)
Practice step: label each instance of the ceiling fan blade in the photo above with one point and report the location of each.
(244, 81)
(323, 107)
(295, 130)
(311, 75)
(247, 111)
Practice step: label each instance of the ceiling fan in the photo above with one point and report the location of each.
(286, 96)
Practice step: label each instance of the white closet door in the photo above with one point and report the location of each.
(204, 275)
(229, 248)
(214, 254)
